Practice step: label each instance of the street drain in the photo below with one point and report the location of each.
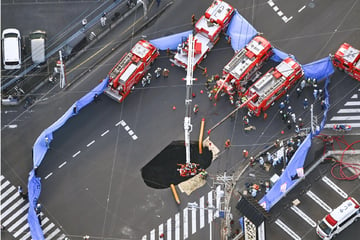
(162, 171)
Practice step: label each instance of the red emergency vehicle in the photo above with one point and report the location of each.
(130, 69)
(208, 28)
(272, 85)
(243, 65)
(347, 58)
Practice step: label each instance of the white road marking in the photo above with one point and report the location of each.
(276, 8)
(288, 19)
(161, 229)
(135, 137)
(352, 103)
(90, 143)
(345, 118)
(168, 227)
(15, 225)
(303, 215)
(50, 226)
(280, 13)
(355, 95)
(335, 187)
(271, 3)
(11, 189)
(9, 200)
(131, 132)
(127, 128)
(2, 177)
(12, 126)
(210, 204)
(177, 226)
(202, 212)
(349, 110)
(77, 153)
(21, 210)
(49, 175)
(303, 7)
(4, 185)
(120, 122)
(289, 231)
(320, 202)
(104, 133)
(219, 195)
(186, 221)
(193, 220)
(63, 164)
(12, 208)
(21, 230)
(57, 230)
(26, 236)
(144, 237)
(152, 234)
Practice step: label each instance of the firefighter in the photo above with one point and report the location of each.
(293, 117)
(301, 123)
(231, 98)
(205, 71)
(196, 108)
(143, 81)
(243, 99)
(297, 129)
(157, 72)
(282, 105)
(166, 72)
(289, 124)
(246, 121)
(287, 98)
(303, 84)
(306, 103)
(193, 19)
(298, 92)
(227, 143)
(148, 78)
(315, 93)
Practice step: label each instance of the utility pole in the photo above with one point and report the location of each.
(313, 120)
(62, 72)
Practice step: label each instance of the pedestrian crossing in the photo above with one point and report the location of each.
(308, 216)
(349, 114)
(192, 218)
(14, 212)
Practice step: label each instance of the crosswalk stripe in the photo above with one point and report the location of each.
(2, 177)
(15, 225)
(4, 185)
(193, 220)
(50, 226)
(62, 236)
(186, 221)
(144, 237)
(152, 234)
(353, 125)
(210, 211)
(303, 215)
(354, 96)
(44, 221)
(219, 195)
(168, 227)
(177, 226)
(11, 189)
(20, 211)
(202, 212)
(320, 202)
(12, 208)
(349, 110)
(21, 230)
(26, 236)
(288, 230)
(53, 234)
(345, 118)
(335, 187)
(161, 229)
(9, 201)
(352, 103)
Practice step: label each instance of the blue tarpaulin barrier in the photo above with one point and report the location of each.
(40, 148)
(170, 42)
(240, 31)
(319, 69)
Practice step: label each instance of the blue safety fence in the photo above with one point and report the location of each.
(40, 148)
(171, 41)
(240, 31)
(319, 69)
(279, 55)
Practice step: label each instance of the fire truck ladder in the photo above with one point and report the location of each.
(235, 61)
(121, 66)
(189, 82)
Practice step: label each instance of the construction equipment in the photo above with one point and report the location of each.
(130, 70)
(347, 59)
(208, 29)
(273, 85)
(240, 69)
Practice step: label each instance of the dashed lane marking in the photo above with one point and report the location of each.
(352, 103)
(134, 137)
(63, 164)
(104, 133)
(177, 226)
(131, 132)
(279, 12)
(303, 215)
(354, 96)
(303, 7)
(345, 118)
(288, 230)
(161, 229)
(168, 226)
(331, 125)
(202, 212)
(320, 202)
(152, 234)
(49, 175)
(186, 220)
(90, 143)
(335, 187)
(77, 153)
(127, 128)
(193, 220)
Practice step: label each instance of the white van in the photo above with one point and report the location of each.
(11, 47)
(37, 42)
(339, 219)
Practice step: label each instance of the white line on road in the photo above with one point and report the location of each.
(134, 137)
(349, 110)
(280, 13)
(303, 7)
(15, 215)
(61, 165)
(271, 3)
(152, 234)
(168, 227)
(47, 176)
(210, 211)
(144, 237)
(354, 96)
(320, 202)
(193, 220)
(185, 221)
(15, 225)
(11, 189)
(4, 185)
(345, 118)
(131, 132)
(335, 187)
(161, 229)
(2, 177)
(127, 128)
(12, 208)
(104, 133)
(276, 8)
(202, 212)
(303, 215)
(288, 19)
(287, 229)
(177, 226)
(352, 103)
(77, 153)
(90, 143)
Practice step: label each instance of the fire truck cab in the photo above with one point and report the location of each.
(347, 59)
(208, 28)
(130, 69)
(272, 85)
(243, 65)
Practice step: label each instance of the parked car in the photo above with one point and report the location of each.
(38, 46)
(11, 48)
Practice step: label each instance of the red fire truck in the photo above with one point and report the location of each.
(272, 85)
(208, 28)
(243, 65)
(130, 69)
(347, 59)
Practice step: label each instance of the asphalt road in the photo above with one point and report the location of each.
(102, 183)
